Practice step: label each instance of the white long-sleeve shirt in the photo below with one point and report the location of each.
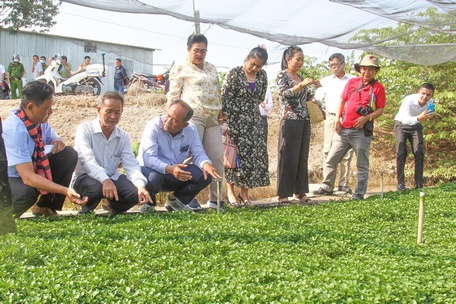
(410, 110)
(330, 91)
(268, 103)
(100, 157)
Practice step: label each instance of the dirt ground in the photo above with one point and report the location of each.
(70, 111)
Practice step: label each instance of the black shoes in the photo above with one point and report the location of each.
(322, 191)
(401, 187)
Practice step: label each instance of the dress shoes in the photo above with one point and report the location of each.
(106, 205)
(401, 187)
(322, 191)
(40, 211)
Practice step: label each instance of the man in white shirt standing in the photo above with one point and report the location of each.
(329, 93)
(101, 147)
(265, 107)
(407, 126)
(37, 68)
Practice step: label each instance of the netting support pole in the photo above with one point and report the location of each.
(218, 194)
(421, 219)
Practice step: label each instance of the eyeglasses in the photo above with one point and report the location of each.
(334, 65)
(202, 51)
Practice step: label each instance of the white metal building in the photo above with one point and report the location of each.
(27, 44)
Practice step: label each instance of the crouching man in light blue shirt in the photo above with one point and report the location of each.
(167, 141)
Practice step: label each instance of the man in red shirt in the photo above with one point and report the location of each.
(362, 101)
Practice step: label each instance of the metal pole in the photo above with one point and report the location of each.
(421, 218)
(218, 195)
(197, 23)
(196, 14)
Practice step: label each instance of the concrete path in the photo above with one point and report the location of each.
(263, 203)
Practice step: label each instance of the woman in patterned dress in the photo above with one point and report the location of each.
(242, 93)
(294, 137)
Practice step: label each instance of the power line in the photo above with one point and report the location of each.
(149, 31)
(122, 25)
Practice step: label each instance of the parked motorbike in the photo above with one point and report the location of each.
(6, 90)
(151, 83)
(86, 81)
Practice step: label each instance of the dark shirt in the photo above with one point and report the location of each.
(119, 76)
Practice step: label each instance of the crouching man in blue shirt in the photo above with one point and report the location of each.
(40, 165)
(167, 141)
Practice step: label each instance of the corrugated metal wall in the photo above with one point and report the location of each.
(27, 44)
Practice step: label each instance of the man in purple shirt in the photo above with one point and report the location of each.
(167, 141)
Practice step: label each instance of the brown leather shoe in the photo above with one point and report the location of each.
(40, 211)
(106, 205)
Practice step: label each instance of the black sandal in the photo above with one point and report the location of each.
(244, 203)
(283, 201)
(233, 205)
(302, 197)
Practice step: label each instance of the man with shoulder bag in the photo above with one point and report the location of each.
(362, 101)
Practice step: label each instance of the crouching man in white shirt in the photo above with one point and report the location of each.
(101, 147)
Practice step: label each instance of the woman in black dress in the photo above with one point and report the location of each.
(242, 93)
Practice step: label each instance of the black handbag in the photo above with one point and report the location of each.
(368, 128)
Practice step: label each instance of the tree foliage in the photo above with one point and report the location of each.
(402, 78)
(22, 14)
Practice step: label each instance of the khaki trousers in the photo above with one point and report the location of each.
(211, 139)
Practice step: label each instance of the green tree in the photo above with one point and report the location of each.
(22, 14)
(313, 69)
(402, 78)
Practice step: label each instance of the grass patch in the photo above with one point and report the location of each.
(338, 252)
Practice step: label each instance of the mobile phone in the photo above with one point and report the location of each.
(431, 108)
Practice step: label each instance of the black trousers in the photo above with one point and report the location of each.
(5, 189)
(93, 189)
(292, 171)
(184, 191)
(413, 134)
(62, 166)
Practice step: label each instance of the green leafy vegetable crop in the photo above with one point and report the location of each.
(337, 252)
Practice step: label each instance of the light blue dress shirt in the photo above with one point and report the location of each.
(159, 149)
(19, 145)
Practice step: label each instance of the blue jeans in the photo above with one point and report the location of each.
(120, 89)
(341, 144)
(185, 191)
